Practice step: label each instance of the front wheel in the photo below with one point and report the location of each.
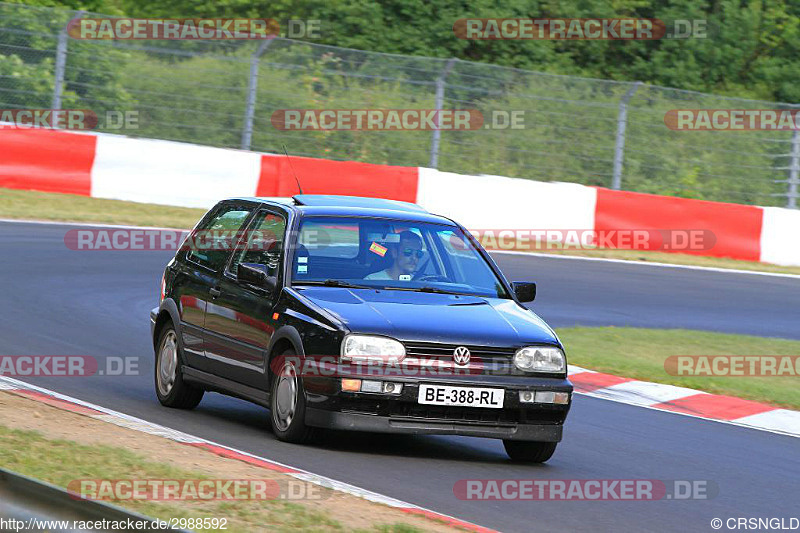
(171, 390)
(288, 403)
(529, 451)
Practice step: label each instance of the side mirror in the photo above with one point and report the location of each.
(525, 290)
(255, 274)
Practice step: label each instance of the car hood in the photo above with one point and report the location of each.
(430, 317)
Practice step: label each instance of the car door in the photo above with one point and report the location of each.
(239, 320)
(205, 255)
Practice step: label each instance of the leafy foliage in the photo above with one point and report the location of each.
(751, 49)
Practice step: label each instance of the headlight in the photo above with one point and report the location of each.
(540, 359)
(369, 348)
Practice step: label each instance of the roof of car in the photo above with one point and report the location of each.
(330, 200)
(334, 205)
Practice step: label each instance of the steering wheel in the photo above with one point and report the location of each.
(433, 277)
(421, 269)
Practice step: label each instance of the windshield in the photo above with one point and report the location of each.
(391, 254)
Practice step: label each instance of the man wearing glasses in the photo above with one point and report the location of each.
(405, 258)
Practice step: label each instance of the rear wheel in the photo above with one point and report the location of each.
(288, 403)
(529, 451)
(171, 390)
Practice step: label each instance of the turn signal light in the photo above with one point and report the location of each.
(352, 385)
(385, 387)
(561, 398)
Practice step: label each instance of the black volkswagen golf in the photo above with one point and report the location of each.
(357, 314)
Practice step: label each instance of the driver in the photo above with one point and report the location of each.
(405, 257)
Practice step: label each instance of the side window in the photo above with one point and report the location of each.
(212, 242)
(263, 243)
(324, 239)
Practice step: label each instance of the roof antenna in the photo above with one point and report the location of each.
(292, 167)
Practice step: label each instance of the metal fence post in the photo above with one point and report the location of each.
(619, 147)
(794, 170)
(61, 63)
(252, 87)
(437, 133)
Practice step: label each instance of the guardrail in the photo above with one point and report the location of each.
(33, 503)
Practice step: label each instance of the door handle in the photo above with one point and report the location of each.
(214, 292)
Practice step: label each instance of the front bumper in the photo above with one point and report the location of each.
(383, 424)
(330, 407)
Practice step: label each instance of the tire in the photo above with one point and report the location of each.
(171, 390)
(288, 404)
(529, 451)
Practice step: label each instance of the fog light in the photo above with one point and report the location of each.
(526, 396)
(545, 397)
(392, 388)
(371, 386)
(352, 385)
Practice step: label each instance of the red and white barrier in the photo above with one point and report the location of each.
(780, 236)
(163, 172)
(46, 160)
(736, 228)
(497, 202)
(172, 173)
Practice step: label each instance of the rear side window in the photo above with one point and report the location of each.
(212, 242)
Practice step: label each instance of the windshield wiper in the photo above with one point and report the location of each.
(428, 288)
(437, 290)
(332, 283)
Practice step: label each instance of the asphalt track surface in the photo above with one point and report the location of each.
(62, 302)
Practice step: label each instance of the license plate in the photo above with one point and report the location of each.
(460, 396)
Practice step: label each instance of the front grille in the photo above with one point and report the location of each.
(436, 351)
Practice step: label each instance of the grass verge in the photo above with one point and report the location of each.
(640, 353)
(32, 205)
(60, 461)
